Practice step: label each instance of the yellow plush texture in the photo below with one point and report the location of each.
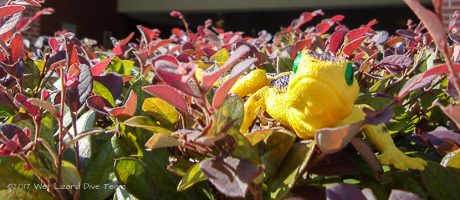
(317, 96)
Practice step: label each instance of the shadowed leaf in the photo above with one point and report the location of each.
(231, 176)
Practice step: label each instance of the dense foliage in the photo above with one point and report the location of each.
(153, 118)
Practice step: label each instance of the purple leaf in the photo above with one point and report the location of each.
(378, 117)
(338, 163)
(406, 33)
(222, 91)
(113, 82)
(415, 83)
(241, 52)
(453, 112)
(169, 71)
(98, 104)
(432, 22)
(339, 191)
(441, 133)
(231, 176)
(398, 60)
(367, 154)
(403, 195)
(76, 96)
(331, 140)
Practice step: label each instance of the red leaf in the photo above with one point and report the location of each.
(336, 40)
(300, 45)
(97, 69)
(10, 10)
(17, 47)
(323, 27)
(118, 50)
(54, 44)
(175, 13)
(128, 109)
(168, 94)
(337, 18)
(440, 69)
(222, 91)
(352, 46)
(148, 34)
(169, 71)
(160, 44)
(21, 100)
(372, 23)
(73, 55)
(241, 52)
(437, 4)
(126, 40)
(432, 22)
(357, 33)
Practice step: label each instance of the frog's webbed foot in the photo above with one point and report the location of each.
(390, 154)
(254, 105)
(400, 160)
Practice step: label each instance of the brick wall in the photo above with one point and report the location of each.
(34, 29)
(448, 8)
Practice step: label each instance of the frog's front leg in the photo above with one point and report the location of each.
(254, 105)
(250, 83)
(390, 154)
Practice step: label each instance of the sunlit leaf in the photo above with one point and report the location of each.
(145, 123)
(191, 177)
(160, 110)
(168, 94)
(161, 141)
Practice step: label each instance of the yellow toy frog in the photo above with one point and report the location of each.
(319, 93)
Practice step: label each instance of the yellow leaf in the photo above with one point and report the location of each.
(220, 57)
(161, 110)
(161, 141)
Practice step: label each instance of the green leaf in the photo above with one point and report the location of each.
(441, 182)
(122, 67)
(283, 180)
(70, 174)
(102, 91)
(191, 177)
(6, 111)
(161, 110)
(19, 183)
(145, 123)
(32, 79)
(232, 112)
(43, 163)
(275, 148)
(149, 179)
(101, 172)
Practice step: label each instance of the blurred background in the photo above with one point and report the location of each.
(102, 19)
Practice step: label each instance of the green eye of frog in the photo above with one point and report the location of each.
(349, 74)
(296, 62)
